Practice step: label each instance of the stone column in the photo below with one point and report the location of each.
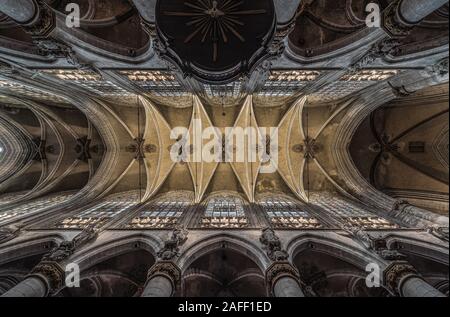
(21, 11)
(163, 280)
(404, 280)
(283, 280)
(402, 15)
(146, 9)
(30, 287)
(37, 19)
(45, 279)
(286, 10)
(413, 11)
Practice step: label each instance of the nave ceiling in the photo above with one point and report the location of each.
(87, 177)
(88, 111)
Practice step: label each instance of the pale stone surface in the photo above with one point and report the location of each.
(158, 286)
(415, 10)
(30, 287)
(417, 287)
(21, 11)
(287, 287)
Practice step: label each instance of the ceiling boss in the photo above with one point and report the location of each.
(216, 20)
(242, 28)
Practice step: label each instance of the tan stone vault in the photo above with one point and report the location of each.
(87, 119)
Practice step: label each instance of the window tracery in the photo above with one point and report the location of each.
(352, 214)
(285, 213)
(224, 211)
(34, 206)
(163, 212)
(100, 213)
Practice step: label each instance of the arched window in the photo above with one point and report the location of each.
(350, 212)
(224, 211)
(163, 212)
(34, 206)
(284, 212)
(101, 212)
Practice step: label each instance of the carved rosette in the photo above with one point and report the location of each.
(167, 269)
(393, 23)
(51, 273)
(396, 274)
(277, 271)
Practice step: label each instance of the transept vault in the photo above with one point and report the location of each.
(223, 148)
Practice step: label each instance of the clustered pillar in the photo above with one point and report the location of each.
(45, 279)
(413, 11)
(21, 11)
(163, 280)
(283, 280)
(35, 16)
(405, 281)
(402, 15)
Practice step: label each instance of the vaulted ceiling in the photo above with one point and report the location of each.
(89, 110)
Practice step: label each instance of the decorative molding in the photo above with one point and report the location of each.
(393, 23)
(279, 270)
(167, 269)
(397, 273)
(272, 245)
(439, 232)
(440, 69)
(51, 273)
(380, 49)
(8, 233)
(172, 245)
(66, 248)
(44, 24)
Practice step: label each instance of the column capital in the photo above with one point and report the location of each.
(393, 22)
(277, 47)
(168, 269)
(51, 273)
(44, 23)
(397, 273)
(278, 270)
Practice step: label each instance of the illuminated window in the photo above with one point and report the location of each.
(158, 82)
(101, 212)
(224, 211)
(287, 82)
(19, 89)
(163, 212)
(34, 206)
(350, 213)
(286, 213)
(229, 90)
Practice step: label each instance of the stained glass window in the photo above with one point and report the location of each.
(286, 213)
(224, 211)
(101, 212)
(350, 212)
(34, 206)
(163, 212)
